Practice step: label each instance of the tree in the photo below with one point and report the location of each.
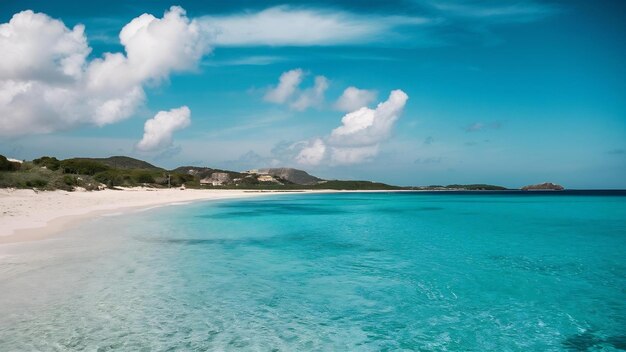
(6, 165)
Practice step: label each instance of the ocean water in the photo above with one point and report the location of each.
(328, 272)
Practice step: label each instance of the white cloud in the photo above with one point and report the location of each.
(36, 46)
(359, 137)
(47, 84)
(353, 155)
(369, 126)
(158, 130)
(288, 91)
(313, 152)
(285, 26)
(287, 85)
(511, 12)
(312, 97)
(354, 98)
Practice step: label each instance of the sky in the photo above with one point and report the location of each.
(407, 92)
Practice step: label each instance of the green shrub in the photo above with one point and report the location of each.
(32, 183)
(82, 167)
(6, 165)
(178, 179)
(111, 178)
(70, 180)
(50, 163)
(139, 176)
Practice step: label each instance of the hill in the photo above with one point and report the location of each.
(122, 162)
(547, 186)
(296, 176)
(50, 173)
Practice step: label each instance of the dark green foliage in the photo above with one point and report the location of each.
(6, 165)
(50, 163)
(124, 162)
(178, 179)
(63, 182)
(249, 181)
(82, 166)
(141, 176)
(111, 178)
(70, 180)
(35, 183)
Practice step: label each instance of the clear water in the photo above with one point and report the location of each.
(362, 272)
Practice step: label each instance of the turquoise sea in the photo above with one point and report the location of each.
(328, 272)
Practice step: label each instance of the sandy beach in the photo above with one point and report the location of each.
(26, 215)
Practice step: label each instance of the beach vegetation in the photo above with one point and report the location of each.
(80, 166)
(142, 176)
(7, 165)
(50, 173)
(48, 162)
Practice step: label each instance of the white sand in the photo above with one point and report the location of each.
(26, 215)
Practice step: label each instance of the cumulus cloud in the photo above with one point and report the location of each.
(313, 152)
(353, 155)
(47, 83)
(288, 91)
(367, 126)
(287, 26)
(312, 97)
(359, 137)
(158, 130)
(35, 46)
(354, 98)
(287, 85)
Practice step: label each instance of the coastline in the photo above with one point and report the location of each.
(27, 215)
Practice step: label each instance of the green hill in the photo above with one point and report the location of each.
(122, 162)
(49, 173)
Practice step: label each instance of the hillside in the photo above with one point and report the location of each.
(122, 162)
(296, 176)
(547, 186)
(49, 173)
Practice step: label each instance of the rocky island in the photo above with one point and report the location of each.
(546, 186)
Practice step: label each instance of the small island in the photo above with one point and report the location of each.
(546, 186)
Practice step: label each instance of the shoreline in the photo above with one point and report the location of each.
(27, 215)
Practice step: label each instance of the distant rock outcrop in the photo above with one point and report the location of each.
(547, 186)
(292, 175)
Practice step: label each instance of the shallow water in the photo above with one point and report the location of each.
(366, 271)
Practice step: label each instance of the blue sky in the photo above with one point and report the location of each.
(502, 92)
